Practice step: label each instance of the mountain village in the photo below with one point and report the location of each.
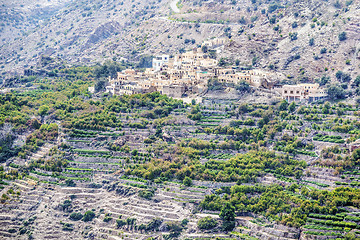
(187, 74)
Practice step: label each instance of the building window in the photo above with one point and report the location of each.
(291, 92)
(285, 91)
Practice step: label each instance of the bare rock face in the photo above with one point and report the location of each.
(122, 140)
(167, 137)
(261, 35)
(121, 190)
(103, 32)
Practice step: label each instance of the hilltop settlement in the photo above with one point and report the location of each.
(189, 74)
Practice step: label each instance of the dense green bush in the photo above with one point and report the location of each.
(88, 216)
(147, 194)
(75, 216)
(342, 36)
(120, 223)
(207, 223)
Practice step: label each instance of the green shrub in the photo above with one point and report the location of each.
(342, 36)
(187, 181)
(68, 227)
(207, 223)
(146, 194)
(76, 216)
(88, 216)
(107, 219)
(120, 223)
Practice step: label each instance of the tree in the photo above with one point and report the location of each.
(120, 223)
(214, 84)
(254, 61)
(335, 92)
(43, 110)
(227, 214)
(272, 8)
(207, 223)
(273, 19)
(243, 86)
(357, 81)
(337, 4)
(311, 42)
(343, 77)
(88, 216)
(174, 228)
(159, 132)
(283, 105)
(356, 155)
(109, 68)
(187, 181)
(293, 36)
(76, 216)
(324, 80)
(261, 123)
(145, 62)
(204, 49)
(292, 107)
(242, 20)
(222, 62)
(350, 236)
(212, 54)
(342, 36)
(100, 85)
(228, 225)
(338, 74)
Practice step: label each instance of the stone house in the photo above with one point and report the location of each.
(159, 61)
(309, 91)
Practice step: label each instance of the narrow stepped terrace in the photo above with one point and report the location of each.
(140, 177)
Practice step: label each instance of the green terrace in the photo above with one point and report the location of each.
(220, 156)
(331, 225)
(91, 151)
(328, 138)
(78, 133)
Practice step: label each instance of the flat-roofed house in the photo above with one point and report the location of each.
(159, 61)
(309, 91)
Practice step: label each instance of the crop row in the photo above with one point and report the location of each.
(335, 223)
(317, 183)
(90, 151)
(327, 138)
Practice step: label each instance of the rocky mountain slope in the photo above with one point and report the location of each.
(303, 39)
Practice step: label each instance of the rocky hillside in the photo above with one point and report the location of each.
(302, 39)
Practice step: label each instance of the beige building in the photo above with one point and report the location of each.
(309, 91)
(188, 71)
(215, 42)
(159, 61)
(292, 93)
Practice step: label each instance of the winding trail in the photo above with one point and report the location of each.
(174, 7)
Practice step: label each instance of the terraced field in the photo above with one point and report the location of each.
(159, 178)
